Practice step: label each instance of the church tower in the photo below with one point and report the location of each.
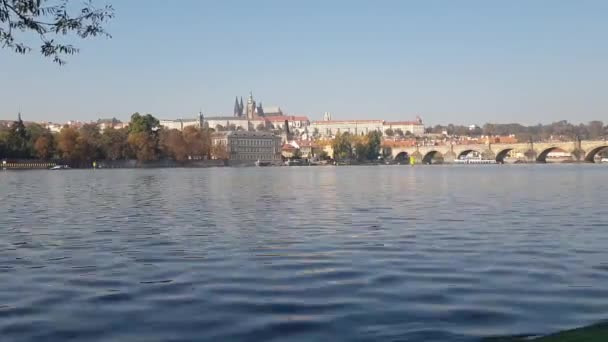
(250, 107)
(237, 108)
(241, 107)
(201, 120)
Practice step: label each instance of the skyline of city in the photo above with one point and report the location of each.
(462, 63)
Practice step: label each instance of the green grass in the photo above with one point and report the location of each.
(593, 333)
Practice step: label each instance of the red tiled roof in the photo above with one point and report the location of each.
(347, 121)
(286, 117)
(401, 143)
(402, 123)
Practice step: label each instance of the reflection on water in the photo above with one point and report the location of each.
(301, 254)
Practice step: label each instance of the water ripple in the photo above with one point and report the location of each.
(302, 254)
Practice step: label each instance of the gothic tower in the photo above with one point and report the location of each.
(241, 107)
(237, 108)
(250, 107)
(201, 120)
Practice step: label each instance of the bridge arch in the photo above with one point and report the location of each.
(402, 157)
(590, 157)
(501, 155)
(542, 156)
(467, 152)
(433, 157)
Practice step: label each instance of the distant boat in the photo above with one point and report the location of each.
(475, 161)
(60, 167)
(261, 163)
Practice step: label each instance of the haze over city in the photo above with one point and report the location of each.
(462, 62)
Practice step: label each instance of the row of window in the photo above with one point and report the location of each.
(253, 142)
(255, 156)
(253, 149)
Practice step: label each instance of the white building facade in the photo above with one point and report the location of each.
(245, 147)
(329, 128)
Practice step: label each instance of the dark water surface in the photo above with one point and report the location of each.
(302, 254)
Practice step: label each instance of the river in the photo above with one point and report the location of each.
(446, 253)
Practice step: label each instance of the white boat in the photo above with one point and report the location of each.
(261, 163)
(60, 167)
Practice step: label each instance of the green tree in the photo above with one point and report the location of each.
(297, 154)
(342, 146)
(399, 132)
(18, 140)
(374, 144)
(143, 136)
(50, 20)
(361, 150)
(143, 124)
(387, 153)
(389, 132)
(3, 142)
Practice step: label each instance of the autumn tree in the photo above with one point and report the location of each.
(114, 143)
(219, 151)
(44, 146)
(143, 145)
(196, 144)
(173, 145)
(89, 143)
(67, 144)
(49, 21)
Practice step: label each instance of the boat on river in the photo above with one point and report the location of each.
(261, 163)
(475, 161)
(59, 167)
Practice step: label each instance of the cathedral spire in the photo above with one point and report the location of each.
(237, 108)
(241, 107)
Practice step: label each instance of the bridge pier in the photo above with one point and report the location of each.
(449, 157)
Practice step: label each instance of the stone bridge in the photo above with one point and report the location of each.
(528, 152)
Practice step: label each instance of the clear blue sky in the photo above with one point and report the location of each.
(447, 61)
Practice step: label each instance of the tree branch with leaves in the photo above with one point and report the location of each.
(50, 20)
